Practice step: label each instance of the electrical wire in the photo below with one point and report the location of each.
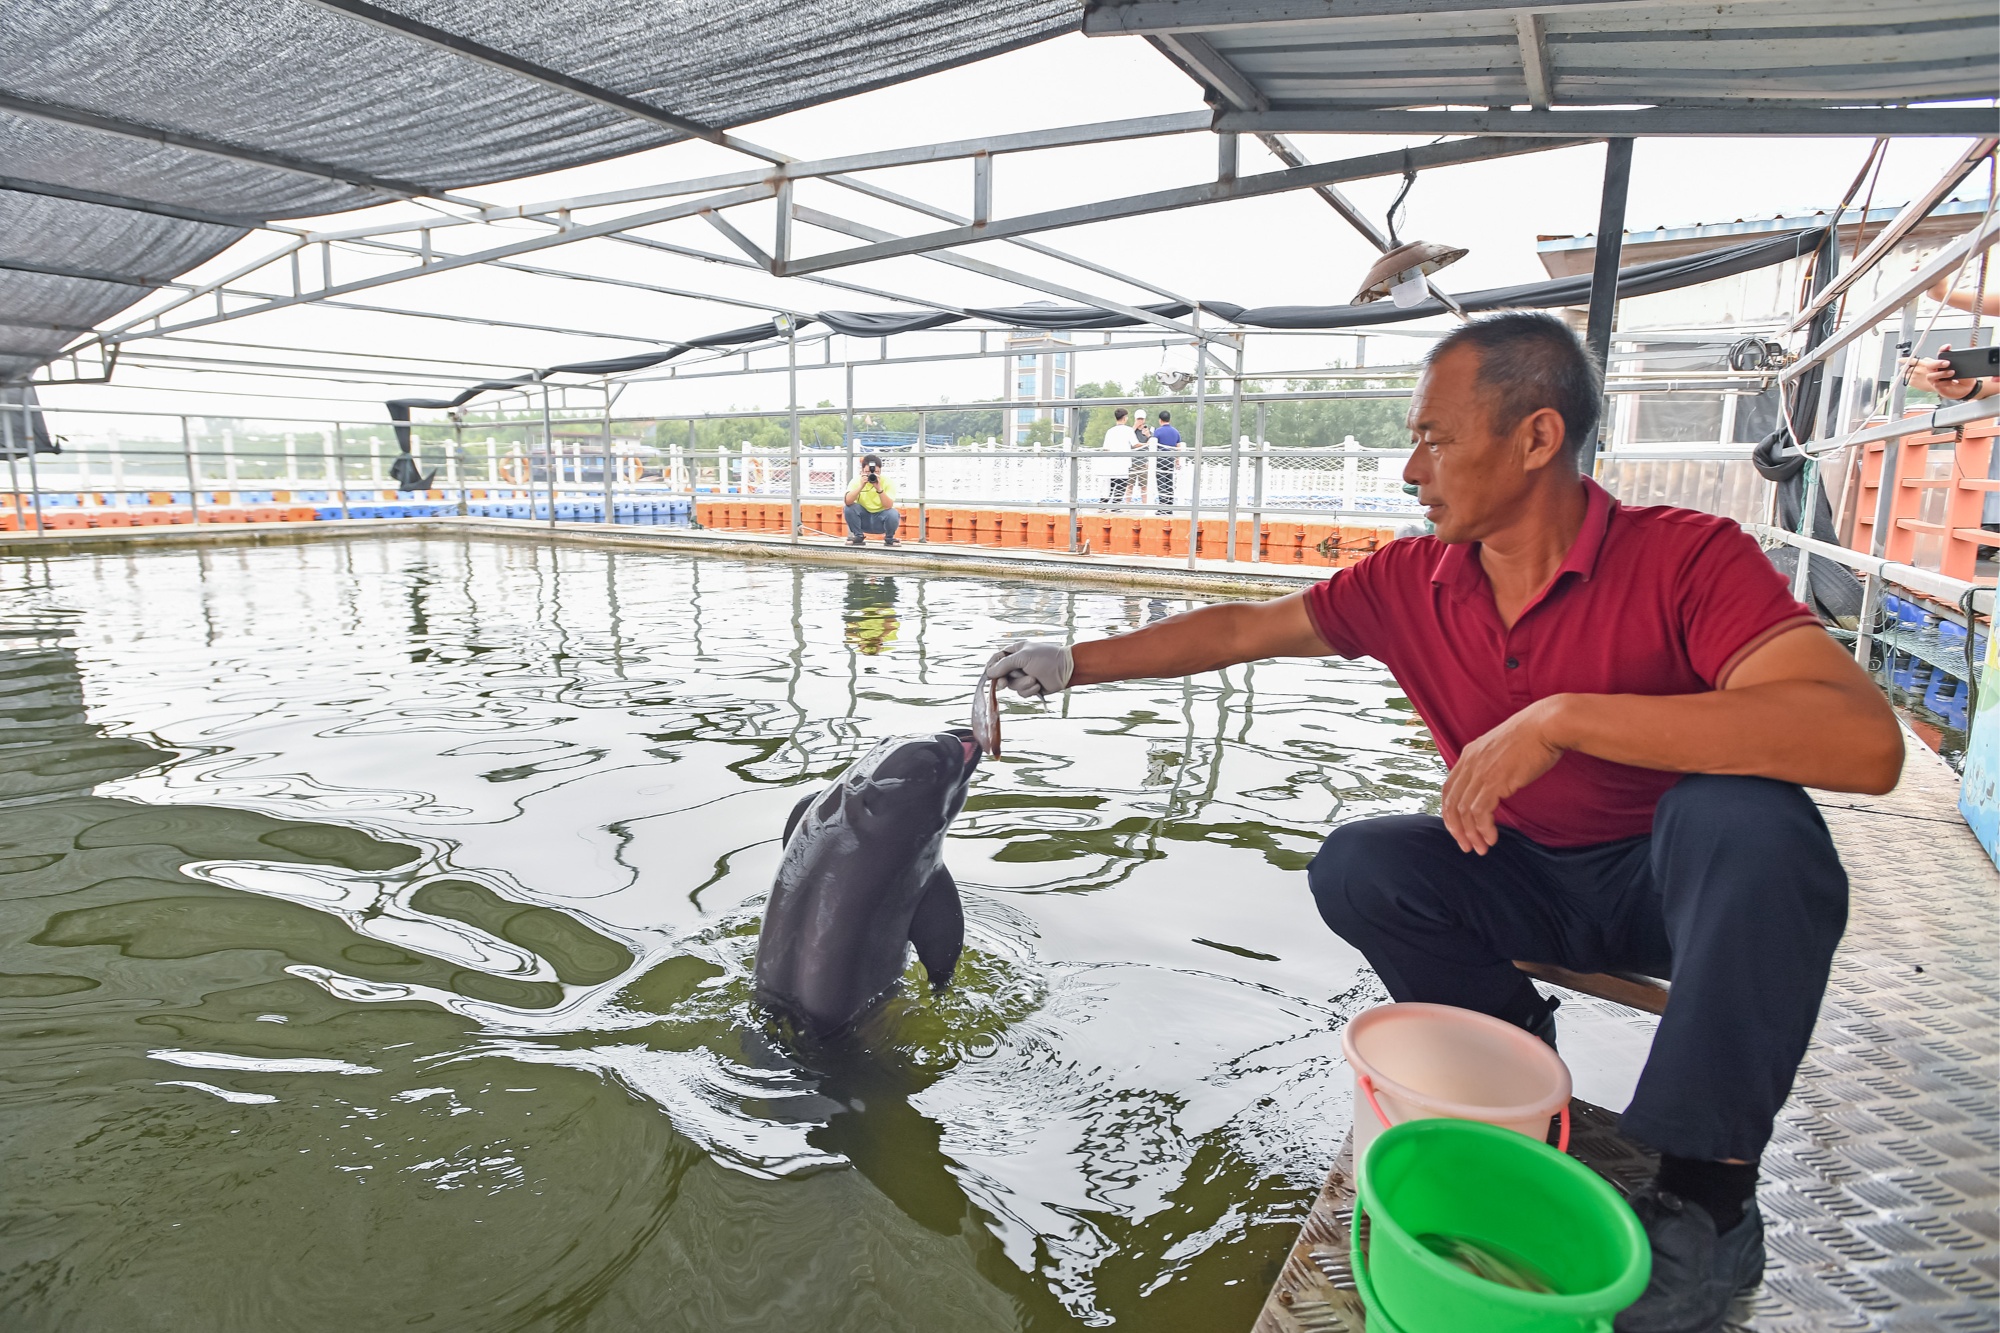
(1409, 179)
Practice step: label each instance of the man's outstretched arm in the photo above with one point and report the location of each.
(1205, 639)
(1797, 709)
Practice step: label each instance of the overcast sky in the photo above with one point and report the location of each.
(1290, 248)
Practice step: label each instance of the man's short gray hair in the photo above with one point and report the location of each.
(1529, 361)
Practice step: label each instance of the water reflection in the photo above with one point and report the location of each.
(872, 623)
(377, 921)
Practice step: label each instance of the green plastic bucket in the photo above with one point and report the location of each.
(1510, 1196)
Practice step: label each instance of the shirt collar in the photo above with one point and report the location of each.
(1458, 566)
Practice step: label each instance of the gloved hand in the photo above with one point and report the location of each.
(1031, 669)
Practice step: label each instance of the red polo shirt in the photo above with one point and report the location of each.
(1648, 601)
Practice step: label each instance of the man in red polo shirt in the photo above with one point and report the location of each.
(1630, 702)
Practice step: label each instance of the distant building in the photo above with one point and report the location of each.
(1039, 367)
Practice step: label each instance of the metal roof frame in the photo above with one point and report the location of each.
(1193, 34)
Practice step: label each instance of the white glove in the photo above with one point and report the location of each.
(1030, 669)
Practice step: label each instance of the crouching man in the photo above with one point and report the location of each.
(871, 505)
(1630, 702)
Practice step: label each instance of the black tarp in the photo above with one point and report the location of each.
(23, 425)
(1662, 275)
(1639, 280)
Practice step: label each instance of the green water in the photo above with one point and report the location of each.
(375, 922)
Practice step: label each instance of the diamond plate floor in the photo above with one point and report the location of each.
(1880, 1185)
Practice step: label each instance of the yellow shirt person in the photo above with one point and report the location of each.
(871, 505)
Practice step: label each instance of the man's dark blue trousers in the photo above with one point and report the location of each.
(1737, 896)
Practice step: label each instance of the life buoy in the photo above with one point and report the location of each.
(514, 471)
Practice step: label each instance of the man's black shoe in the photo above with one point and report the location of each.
(1545, 1026)
(1696, 1273)
(890, 541)
(857, 541)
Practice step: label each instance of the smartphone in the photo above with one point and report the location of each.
(1974, 362)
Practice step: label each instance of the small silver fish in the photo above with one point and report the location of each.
(1486, 1261)
(986, 716)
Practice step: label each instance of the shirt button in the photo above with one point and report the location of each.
(1513, 662)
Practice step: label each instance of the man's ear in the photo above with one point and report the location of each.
(1543, 439)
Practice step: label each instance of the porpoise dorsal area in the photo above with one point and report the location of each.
(861, 878)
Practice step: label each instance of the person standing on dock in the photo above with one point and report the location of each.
(870, 505)
(1113, 468)
(1631, 704)
(1167, 441)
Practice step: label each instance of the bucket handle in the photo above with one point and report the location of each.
(1368, 1090)
(1367, 1085)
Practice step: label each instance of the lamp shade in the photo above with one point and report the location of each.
(1417, 259)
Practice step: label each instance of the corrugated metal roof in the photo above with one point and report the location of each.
(1971, 210)
(1327, 56)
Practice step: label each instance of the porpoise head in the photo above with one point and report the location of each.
(906, 791)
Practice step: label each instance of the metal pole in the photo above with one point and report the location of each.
(1885, 495)
(194, 485)
(1235, 445)
(1604, 272)
(923, 477)
(1200, 411)
(792, 392)
(458, 462)
(340, 468)
(847, 430)
(1831, 416)
(13, 470)
(610, 513)
(1074, 464)
(1257, 502)
(548, 457)
(34, 475)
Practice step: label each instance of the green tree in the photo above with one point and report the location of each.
(1096, 420)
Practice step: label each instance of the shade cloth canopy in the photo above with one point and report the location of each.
(143, 137)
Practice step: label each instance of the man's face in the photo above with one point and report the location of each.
(1469, 478)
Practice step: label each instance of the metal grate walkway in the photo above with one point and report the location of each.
(1880, 1185)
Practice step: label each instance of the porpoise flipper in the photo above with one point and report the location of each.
(938, 928)
(798, 813)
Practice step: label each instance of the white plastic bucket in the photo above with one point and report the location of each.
(1422, 1061)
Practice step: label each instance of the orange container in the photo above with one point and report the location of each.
(1214, 540)
(299, 513)
(263, 514)
(159, 498)
(110, 518)
(1318, 543)
(1177, 536)
(971, 527)
(59, 520)
(1048, 532)
(148, 518)
(221, 514)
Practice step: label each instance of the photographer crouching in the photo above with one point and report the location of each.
(871, 505)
